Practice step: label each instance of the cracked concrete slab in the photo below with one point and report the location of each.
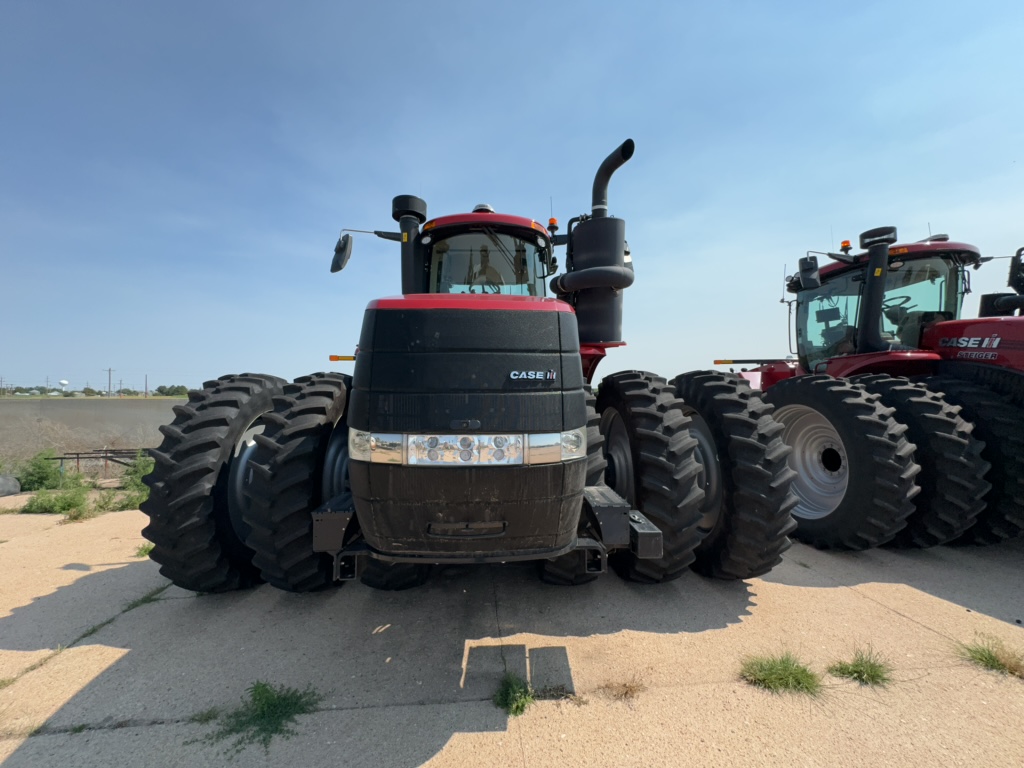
(638, 675)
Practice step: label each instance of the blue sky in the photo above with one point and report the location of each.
(173, 176)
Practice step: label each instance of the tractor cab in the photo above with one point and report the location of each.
(485, 252)
(923, 283)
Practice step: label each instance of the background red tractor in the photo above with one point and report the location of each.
(906, 421)
(469, 433)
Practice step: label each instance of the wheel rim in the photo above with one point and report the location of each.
(335, 479)
(709, 479)
(239, 474)
(619, 476)
(818, 458)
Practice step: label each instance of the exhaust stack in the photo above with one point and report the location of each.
(614, 161)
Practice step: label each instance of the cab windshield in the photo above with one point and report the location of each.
(488, 260)
(916, 293)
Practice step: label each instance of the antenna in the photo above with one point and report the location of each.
(929, 229)
(785, 279)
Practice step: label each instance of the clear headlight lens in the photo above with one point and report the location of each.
(457, 450)
(358, 445)
(574, 444)
(467, 450)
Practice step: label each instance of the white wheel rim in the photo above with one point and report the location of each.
(818, 458)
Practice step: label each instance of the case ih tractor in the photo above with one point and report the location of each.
(469, 433)
(906, 422)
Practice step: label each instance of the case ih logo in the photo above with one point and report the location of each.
(544, 375)
(971, 342)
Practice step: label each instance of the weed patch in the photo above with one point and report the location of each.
(780, 673)
(92, 630)
(70, 501)
(991, 653)
(627, 691)
(40, 473)
(205, 716)
(144, 549)
(4, 682)
(150, 597)
(268, 712)
(514, 695)
(867, 667)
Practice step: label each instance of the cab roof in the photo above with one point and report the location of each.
(485, 219)
(940, 246)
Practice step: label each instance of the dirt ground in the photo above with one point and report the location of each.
(90, 678)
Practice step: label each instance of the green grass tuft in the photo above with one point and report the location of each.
(205, 716)
(144, 549)
(779, 674)
(72, 502)
(867, 667)
(92, 630)
(268, 712)
(991, 653)
(150, 597)
(5, 681)
(514, 695)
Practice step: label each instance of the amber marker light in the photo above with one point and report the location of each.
(341, 358)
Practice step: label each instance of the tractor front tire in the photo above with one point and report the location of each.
(745, 475)
(856, 474)
(195, 504)
(299, 464)
(652, 465)
(952, 475)
(997, 422)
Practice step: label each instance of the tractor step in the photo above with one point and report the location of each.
(645, 538)
(621, 526)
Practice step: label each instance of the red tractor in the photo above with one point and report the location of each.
(469, 433)
(906, 422)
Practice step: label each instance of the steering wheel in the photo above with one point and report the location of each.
(891, 302)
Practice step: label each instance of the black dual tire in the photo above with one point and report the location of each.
(570, 569)
(651, 464)
(953, 471)
(745, 475)
(998, 423)
(287, 479)
(195, 505)
(856, 474)
(300, 463)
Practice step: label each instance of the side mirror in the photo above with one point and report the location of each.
(809, 277)
(342, 252)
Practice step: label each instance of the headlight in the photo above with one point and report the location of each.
(574, 444)
(467, 450)
(459, 450)
(358, 445)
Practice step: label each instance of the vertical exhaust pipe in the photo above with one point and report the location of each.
(614, 161)
(869, 328)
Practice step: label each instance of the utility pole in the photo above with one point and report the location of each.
(120, 387)
(110, 387)
(147, 385)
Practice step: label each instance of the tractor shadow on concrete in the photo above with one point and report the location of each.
(988, 579)
(400, 672)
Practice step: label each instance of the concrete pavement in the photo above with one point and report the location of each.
(407, 677)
